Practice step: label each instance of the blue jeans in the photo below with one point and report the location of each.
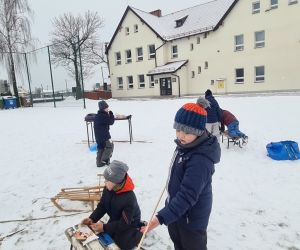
(233, 130)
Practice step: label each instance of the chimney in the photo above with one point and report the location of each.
(156, 12)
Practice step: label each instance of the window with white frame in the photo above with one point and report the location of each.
(199, 69)
(129, 82)
(206, 65)
(239, 43)
(139, 54)
(205, 34)
(118, 58)
(193, 74)
(151, 81)
(293, 2)
(141, 79)
(151, 51)
(255, 7)
(120, 82)
(273, 4)
(136, 28)
(239, 75)
(126, 31)
(198, 39)
(128, 56)
(259, 73)
(191, 46)
(174, 51)
(259, 39)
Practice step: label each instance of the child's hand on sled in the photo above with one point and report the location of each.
(87, 221)
(97, 227)
(152, 224)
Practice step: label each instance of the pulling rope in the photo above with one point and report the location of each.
(144, 234)
(41, 218)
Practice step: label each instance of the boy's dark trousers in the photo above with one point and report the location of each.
(184, 239)
(104, 154)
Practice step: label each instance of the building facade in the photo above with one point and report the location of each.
(229, 46)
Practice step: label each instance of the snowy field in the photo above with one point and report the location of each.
(256, 199)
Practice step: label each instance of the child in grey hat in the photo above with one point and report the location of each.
(119, 202)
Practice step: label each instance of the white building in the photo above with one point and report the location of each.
(229, 46)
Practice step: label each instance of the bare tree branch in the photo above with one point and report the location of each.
(15, 36)
(70, 33)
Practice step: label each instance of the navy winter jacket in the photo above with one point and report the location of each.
(190, 192)
(101, 127)
(213, 112)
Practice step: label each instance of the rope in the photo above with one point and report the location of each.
(41, 218)
(144, 234)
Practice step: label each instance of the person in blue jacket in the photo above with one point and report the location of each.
(103, 119)
(189, 202)
(213, 114)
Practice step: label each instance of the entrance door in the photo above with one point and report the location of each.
(165, 86)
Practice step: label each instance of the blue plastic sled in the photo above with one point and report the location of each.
(93, 147)
(283, 150)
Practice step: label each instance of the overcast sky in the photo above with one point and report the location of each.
(111, 12)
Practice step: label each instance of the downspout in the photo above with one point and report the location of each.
(178, 77)
(106, 53)
(158, 49)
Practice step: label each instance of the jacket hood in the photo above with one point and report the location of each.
(206, 145)
(128, 186)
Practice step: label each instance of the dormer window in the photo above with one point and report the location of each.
(180, 22)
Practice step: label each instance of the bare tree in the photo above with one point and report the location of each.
(70, 33)
(15, 36)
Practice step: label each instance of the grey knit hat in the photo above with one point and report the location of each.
(203, 102)
(102, 105)
(115, 172)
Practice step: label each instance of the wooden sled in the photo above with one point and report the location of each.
(90, 194)
(91, 243)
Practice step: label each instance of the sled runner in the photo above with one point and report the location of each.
(90, 194)
(234, 141)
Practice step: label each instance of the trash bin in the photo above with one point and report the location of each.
(9, 102)
(1, 103)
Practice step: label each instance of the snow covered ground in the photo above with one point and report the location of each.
(256, 199)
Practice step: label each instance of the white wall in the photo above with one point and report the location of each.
(280, 56)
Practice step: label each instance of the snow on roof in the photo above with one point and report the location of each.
(167, 68)
(200, 18)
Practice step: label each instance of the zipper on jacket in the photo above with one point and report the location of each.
(187, 219)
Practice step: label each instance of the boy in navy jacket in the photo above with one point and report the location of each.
(188, 206)
(103, 119)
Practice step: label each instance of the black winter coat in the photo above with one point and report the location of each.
(101, 127)
(125, 215)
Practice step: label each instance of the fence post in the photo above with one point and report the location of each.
(51, 77)
(28, 78)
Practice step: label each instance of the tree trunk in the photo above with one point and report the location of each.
(13, 72)
(77, 78)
